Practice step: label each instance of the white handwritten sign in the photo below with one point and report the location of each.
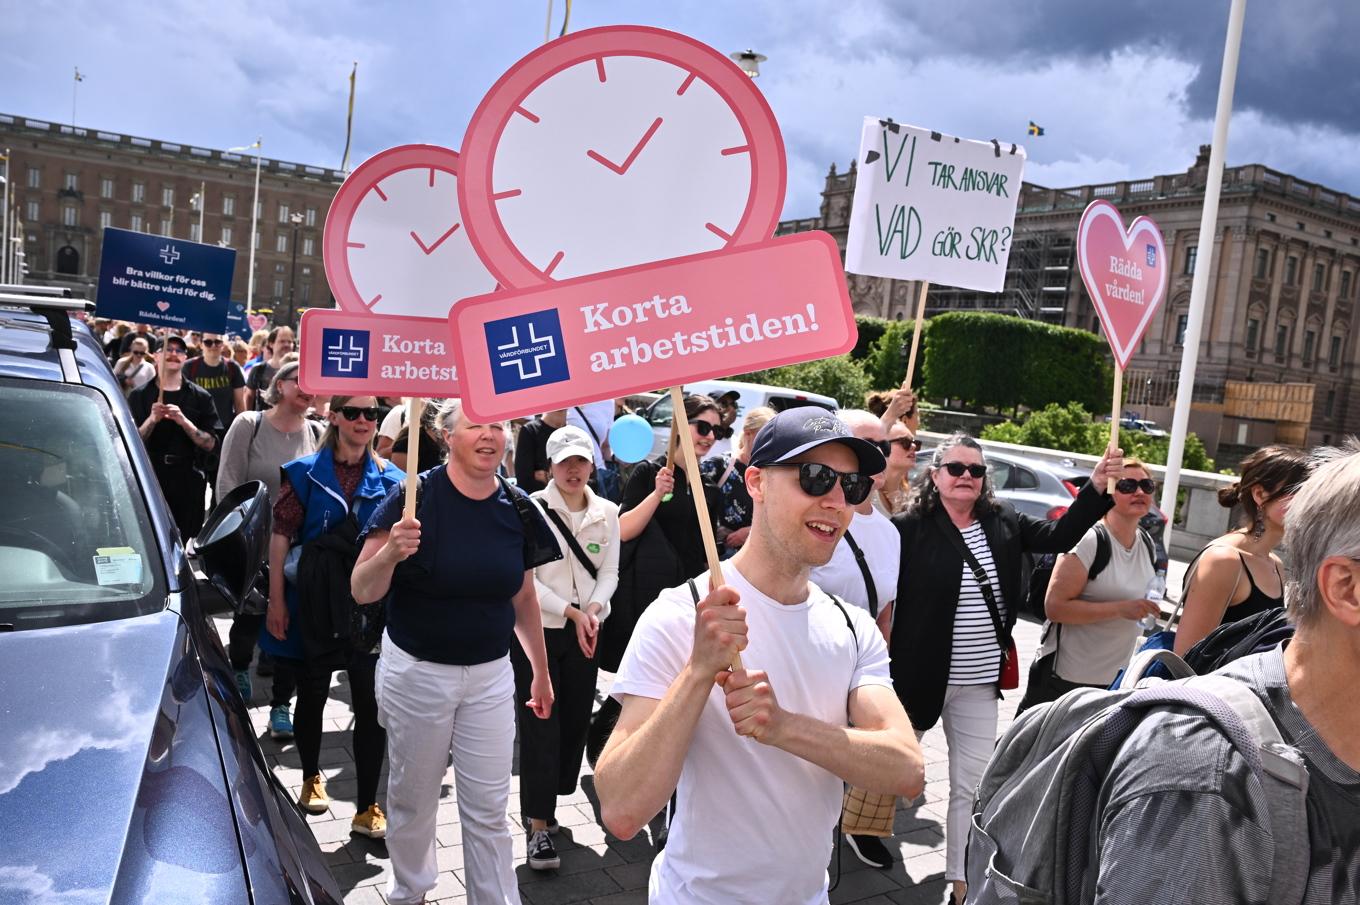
(933, 207)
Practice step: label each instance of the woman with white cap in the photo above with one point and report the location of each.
(573, 594)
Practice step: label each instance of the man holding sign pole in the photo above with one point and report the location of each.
(751, 822)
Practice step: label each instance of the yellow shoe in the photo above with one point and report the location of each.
(371, 823)
(314, 799)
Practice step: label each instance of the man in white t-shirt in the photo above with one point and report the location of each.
(757, 755)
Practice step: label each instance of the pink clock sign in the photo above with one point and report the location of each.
(623, 184)
(1125, 272)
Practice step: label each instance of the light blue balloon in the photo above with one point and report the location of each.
(631, 438)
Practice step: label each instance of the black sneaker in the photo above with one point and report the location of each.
(542, 853)
(870, 850)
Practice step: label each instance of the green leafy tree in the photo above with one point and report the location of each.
(1069, 428)
(886, 363)
(840, 377)
(870, 329)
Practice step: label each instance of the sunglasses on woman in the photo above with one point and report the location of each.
(1129, 485)
(353, 412)
(907, 443)
(817, 480)
(717, 430)
(209, 343)
(956, 469)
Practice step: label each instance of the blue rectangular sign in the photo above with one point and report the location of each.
(164, 282)
(236, 321)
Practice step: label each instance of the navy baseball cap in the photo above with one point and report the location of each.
(795, 431)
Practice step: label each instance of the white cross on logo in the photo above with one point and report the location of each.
(345, 357)
(169, 254)
(538, 357)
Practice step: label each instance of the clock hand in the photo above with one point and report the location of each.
(429, 249)
(632, 156)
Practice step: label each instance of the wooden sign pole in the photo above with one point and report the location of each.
(916, 334)
(1116, 412)
(696, 489)
(414, 409)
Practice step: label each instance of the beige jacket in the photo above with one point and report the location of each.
(566, 582)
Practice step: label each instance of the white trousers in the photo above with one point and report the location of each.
(969, 718)
(426, 708)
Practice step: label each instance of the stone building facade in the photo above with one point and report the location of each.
(1281, 300)
(67, 184)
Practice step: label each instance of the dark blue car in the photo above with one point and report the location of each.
(128, 768)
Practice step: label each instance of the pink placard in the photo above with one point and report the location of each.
(1125, 272)
(654, 325)
(375, 354)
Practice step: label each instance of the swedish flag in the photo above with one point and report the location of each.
(1035, 128)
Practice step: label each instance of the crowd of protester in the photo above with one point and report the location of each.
(872, 596)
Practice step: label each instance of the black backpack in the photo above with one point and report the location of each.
(1234, 640)
(1043, 569)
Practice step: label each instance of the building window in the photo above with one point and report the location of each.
(106, 187)
(1345, 284)
(1182, 321)
(1281, 340)
(1190, 254)
(306, 292)
(1309, 346)
(31, 212)
(256, 243)
(1262, 263)
(281, 243)
(70, 215)
(168, 196)
(308, 246)
(229, 205)
(259, 210)
(136, 224)
(34, 178)
(1253, 335)
(1291, 270)
(193, 232)
(138, 192)
(226, 235)
(1330, 406)
(1334, 354)
(1319, 277)
(279, 268)
(278, 289)
(167, 226)
(1270, 218)
(283, 212)
(105, 219)
(311, 216)
(71, 182)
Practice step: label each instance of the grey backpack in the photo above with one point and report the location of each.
(1036, 816)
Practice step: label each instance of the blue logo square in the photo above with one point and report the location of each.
(344, 353)
(526, 351)
(1152, 255)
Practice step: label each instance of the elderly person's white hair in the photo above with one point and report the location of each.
(1323, 521)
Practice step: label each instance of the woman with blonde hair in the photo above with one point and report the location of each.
(1240, 574)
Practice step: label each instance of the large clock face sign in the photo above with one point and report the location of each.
(395, 242)
(615, 147)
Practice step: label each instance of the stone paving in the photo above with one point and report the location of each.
(597, 868)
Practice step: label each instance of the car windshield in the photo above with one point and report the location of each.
(75, 538)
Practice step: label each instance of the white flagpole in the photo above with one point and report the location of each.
(5, 275)
(254, 222)
(1199, 286)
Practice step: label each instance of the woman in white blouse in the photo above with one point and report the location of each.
(573, 593)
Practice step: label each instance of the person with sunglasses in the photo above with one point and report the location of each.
(728, 474)
(957, 597)
(1095, 597)
(329, 495)
(903, 446)
(226, 384)
(135, 369)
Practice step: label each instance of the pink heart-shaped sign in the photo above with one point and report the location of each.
(1125, 274)
(257, 322)
(163, 306)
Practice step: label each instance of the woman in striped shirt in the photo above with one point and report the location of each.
(947, 644)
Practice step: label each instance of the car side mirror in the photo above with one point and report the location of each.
(234, 541)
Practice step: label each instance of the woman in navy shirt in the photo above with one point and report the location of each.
(459, 584)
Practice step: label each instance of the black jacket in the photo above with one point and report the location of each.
(325, 604)
(928, 589)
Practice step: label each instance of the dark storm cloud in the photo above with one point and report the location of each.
(1298, 61)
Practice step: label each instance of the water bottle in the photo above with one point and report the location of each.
(1156, 592)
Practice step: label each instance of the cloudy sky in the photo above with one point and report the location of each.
(1123, 90)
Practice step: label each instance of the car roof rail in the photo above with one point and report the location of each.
(53, 302)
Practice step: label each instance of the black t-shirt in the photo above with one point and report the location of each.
(676, 517)
(531, 454)
(430, 453)
(221, 381)
(258, 382)
(168, 438)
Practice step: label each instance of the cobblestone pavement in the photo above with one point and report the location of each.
(597, 868)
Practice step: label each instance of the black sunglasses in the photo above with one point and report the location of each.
(717, 430)
(212, 342)
(1129, 485)
(958, 468)
(907, 443)
(352, 412)
(817, 480)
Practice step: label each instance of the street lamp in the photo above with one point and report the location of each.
(749, 61)
(295, 219)
(254, 219)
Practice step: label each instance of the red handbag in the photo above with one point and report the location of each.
(1010, 668)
